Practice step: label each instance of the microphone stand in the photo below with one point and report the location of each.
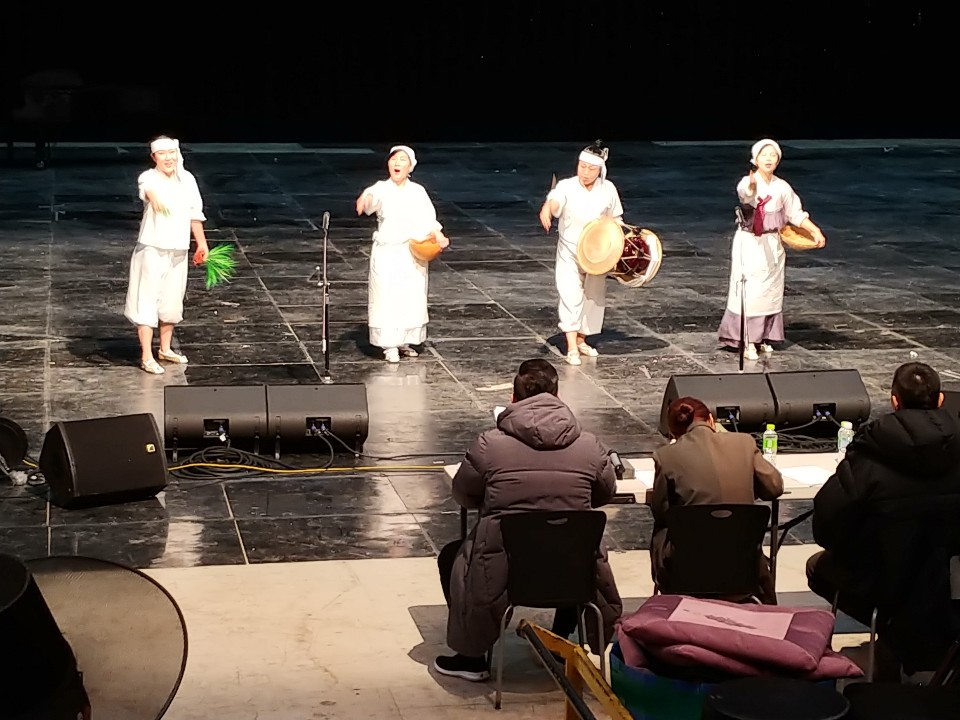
(743, 319)
(741, 222)
(325, 285)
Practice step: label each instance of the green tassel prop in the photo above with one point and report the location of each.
(221, 265)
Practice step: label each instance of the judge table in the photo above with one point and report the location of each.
(803, 475)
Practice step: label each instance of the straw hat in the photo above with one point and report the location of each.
(797, 238)
(425, 250)
(600, 246)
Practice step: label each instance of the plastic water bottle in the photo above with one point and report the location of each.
(844, 436)
(769, 445)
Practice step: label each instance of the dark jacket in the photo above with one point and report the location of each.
(888, 516)
(537, 458)
(705, 467)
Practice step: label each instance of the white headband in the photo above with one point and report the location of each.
(592, 159)
(760, 145)
(597, 161)
(410, 154)
(161, 144)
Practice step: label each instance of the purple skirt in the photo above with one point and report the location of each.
(763, 328)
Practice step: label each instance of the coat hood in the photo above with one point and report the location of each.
(543, 422)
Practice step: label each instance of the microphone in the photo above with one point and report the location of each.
(621, 498)
(326, 221)
(617, 463)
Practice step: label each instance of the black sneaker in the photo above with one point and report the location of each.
(474, 669)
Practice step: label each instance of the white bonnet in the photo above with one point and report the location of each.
(410, 154)
(760, 145)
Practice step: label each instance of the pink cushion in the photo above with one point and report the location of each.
(832, 665)
(791, 640)
(630, 649)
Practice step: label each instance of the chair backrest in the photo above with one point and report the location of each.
(715, 549)
(913, 541)
(552, 556)
(907, 532)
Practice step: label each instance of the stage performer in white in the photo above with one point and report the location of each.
(576, 201)
(172, 209)
(397, 290)
(758, 254)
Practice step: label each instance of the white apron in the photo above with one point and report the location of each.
(397, 299)
(762, 261)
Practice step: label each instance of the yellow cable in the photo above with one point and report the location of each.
(28, 463)
(290, 471)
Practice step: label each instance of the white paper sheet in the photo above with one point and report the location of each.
(743, 619)
(806, 474)
(638, 485)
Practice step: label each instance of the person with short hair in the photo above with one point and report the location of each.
(537, 458)
(172, 209)
(898, 472)
(706, 467)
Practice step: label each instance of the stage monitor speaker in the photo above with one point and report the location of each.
(298, 414)
(102, 461)
(811, 397)
(740, 402)
(197, 416)
(13, 443)
(951, 402)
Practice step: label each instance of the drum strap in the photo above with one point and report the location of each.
(744, 216)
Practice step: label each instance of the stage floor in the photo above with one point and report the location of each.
(885, 285)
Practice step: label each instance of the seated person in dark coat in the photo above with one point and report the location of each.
(537, 458)
(885, 518)
(706, 467)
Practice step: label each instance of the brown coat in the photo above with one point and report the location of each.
(705, 467)
(537, 458)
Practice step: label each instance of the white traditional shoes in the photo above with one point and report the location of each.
(750, 352)
(393, 355)
(171, 356)
(573, 357)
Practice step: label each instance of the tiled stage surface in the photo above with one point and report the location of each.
(886, 284)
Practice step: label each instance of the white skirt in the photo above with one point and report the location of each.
(158, 284)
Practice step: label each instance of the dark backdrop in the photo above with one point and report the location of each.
(342, 72)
